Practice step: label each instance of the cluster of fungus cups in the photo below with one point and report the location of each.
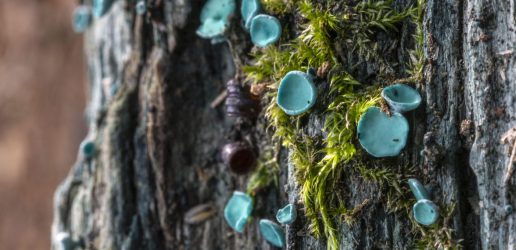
(264, 29)
(383, 135)
(272, 232)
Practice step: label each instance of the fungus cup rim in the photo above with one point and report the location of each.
(308, 82)
(269, 20)
(400, 106)
(276, 229)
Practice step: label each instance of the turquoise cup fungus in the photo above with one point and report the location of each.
(425, 211)
(215, 18)
(401, 98)
(64, 241)
(287, 215)
(237, 210)
(248, 10)
(265, 30)
(297, 93)
(382, 135)
(88, 148)
(81, 18)
(272, 233)
(100, 7)
(141, 7)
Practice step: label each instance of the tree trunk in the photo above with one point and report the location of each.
(152, 80)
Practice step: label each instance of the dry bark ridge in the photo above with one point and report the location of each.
(151, 84)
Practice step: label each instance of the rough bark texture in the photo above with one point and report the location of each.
(152, 82)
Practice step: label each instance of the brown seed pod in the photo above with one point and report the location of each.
(238, 102)
(200, 213)
(239, 157)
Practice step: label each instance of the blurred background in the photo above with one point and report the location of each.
(42, 97)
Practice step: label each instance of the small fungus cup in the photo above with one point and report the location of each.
(248, 10)
(215, 18)
(81, 18)
(425, 211)
(272, 233)
(100, 7)
(237, 210)
(88, 148)
(287, 215)
(401, 98)
(141, 7)
(265, 30)
(382, 135)
(297, 93)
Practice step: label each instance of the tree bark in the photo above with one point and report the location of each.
(151, 84)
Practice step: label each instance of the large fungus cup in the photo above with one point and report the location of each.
(249, 9)
(272, 233)
(382, 135)
(237, 210)
(265, 30)
(215, 18)
(296, 93)
(425, 211)
(401, 97)
(287, 215)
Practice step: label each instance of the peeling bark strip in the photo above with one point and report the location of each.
(152, 82)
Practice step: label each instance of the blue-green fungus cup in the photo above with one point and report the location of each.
(64, 241)
(287, 215)
(100, 7)
(401, 98)
(425, 211)
(296, 93)
(382, 135)
(237, 210)
(272, 233)
(141, 7)
(215, 18)
(88, 148)
(81, 18)
(265, 30)
(248, 10)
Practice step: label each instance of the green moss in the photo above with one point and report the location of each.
(278, 7)
(439, 235)
(266, 173)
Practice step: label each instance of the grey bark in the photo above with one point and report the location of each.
(151, 84)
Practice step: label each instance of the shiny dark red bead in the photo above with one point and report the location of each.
(239, 157)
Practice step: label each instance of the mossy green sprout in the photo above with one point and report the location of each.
(266, 173)
(417, 56)
(278, 7)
